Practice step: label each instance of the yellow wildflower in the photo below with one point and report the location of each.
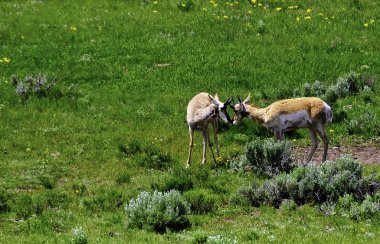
(278, 9)
(260, 4)
(372, 21)
(250, 11)
(293, 7)
(28, 149)
(254, 1)
(298, 19)
(308, 10)
(204, 9)
(155, 11)
(365, 24)
(308, 18)
(225, 17)
(155, 2)
(73, 28)
(331, 130)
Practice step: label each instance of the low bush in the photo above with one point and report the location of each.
(145, 155)
(104, 200)
(312, 184)
(79, 236)
(123, 178)
(158, 211)
(347, 84)
(366, 125)
(39, 86)
(266, 157)
(180, 180)
(4, 201)
(201, 200)
(23, 206)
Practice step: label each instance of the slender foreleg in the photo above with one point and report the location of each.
(191, 133)
(314, 144)
(323, 136)
(215, 128)
(210, 144)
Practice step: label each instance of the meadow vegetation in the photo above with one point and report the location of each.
(93, 98)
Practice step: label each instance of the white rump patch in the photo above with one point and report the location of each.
(328, 112)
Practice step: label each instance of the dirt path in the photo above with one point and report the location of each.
(365, 154)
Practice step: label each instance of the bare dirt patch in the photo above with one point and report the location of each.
(364, 154)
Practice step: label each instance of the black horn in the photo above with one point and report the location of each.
(239, 98)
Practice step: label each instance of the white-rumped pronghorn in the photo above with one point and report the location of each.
(202, 110)
(290, 114)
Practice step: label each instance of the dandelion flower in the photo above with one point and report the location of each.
(28, 149)
(278, 9)
(250, 11)
(225, 17)
(155, 11)
(372, 21)
(308, 10)
(155, 2)
(331, 130)
(254, 1)
(308, 18)
(365, 24)
(73, 28)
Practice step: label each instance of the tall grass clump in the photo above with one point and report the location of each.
(201, 200)
(266, 157)
(158, 211)
(313, 184)
(145, 155)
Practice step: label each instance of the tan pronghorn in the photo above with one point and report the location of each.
(202, 110)
(290, 114)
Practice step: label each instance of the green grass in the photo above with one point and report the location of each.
(126, 71)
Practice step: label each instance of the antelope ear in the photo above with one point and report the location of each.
(213, 100)
(246, 101)
(216, 97)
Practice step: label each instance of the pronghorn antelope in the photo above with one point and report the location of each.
(202, 110)
(290, 114)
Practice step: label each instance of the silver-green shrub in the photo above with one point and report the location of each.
(30, 86)
(266, 157)
(312, 184)
(158, 211)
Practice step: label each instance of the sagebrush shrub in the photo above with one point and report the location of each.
(158, 211)
(266, 157)
(201, 200)
(79, 236)
(39, 86)
(312, 184)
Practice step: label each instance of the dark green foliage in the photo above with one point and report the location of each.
(104, 200)
(79, 188)
(54, 220)
(158, 211)
(200, 238)
(4, 201)
(46, 182)
(312, 184)
(185, 5)
(178, 183)
(201, 200)
(50, 199)
(288, 206)
(23, 206)
(146, 155)
(265, 157)
(123, 178)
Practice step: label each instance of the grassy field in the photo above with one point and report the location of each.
(125, 71)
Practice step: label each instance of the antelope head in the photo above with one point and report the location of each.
(222, 108)
(240, 110)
